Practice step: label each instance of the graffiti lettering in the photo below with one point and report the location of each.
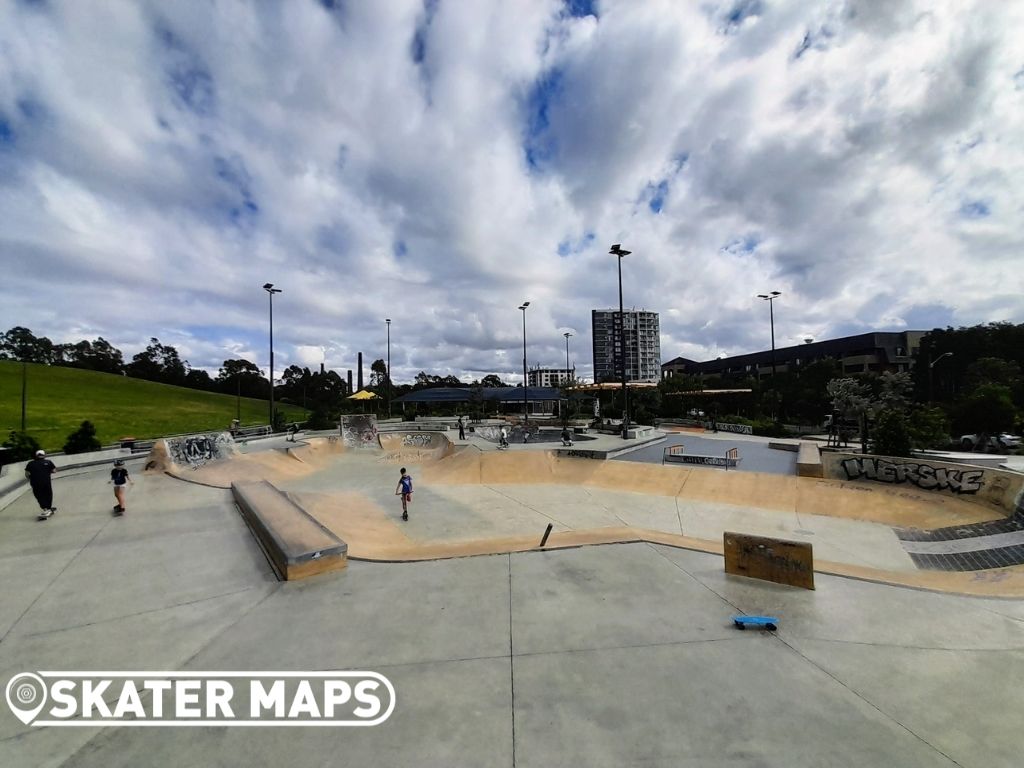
(359, 431)
(740, 429)
(416, 440)
(924, 476)
(197, 450)
(583, 454)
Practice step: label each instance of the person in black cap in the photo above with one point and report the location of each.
(38, 472)
(119, 478)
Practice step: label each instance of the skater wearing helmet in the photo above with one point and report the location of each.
(404, 489)
(119, 478)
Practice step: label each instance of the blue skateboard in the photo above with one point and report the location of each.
(766, 622)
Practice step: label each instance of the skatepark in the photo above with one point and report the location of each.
(610, 645)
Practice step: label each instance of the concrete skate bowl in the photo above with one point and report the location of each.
(492, 503)
(299, 460)
(414, 447)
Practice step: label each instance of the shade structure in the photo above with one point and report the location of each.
(363, 394)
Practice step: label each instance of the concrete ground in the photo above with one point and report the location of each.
(606, 655)
(755, 455)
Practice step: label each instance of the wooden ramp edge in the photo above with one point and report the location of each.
(296, 544)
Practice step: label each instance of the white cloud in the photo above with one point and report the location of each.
(160, 162)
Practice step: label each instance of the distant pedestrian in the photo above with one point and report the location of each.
(404, 489)
(292, 431)
(566, 437)
(119, 478)
(38, 471)
(503, 439)
(462, 429)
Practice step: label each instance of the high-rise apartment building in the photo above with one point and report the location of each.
(643, 345)
(549, 377)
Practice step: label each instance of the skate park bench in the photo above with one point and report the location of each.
(808, 460)
(295, 543)
(676, 454)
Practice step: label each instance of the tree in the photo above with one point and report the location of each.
(895, 391)
(243, 378)
(378, 373)
(158, 362)
(988, 410)
(492, 380)
(83, 439)
(891, 434)
(99, 355)
(21, 344)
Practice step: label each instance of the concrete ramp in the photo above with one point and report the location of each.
(414, 447)
(296, 544)
(189, 452)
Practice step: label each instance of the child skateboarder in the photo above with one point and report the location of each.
(38, 472)
(119, 478)
(404, 489)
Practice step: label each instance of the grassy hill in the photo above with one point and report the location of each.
(60, 399)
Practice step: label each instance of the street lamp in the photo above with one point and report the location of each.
(770, 298)
(616, 250)
(931, 364)
(271, 290)
(388, 321)
(567, 335)
(526, 406)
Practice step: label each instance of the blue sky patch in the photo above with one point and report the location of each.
(567, 247)
(739, 12)
(975, 209)
(540, 147)
(399, 249)
(6, 133)
(742, 246)
(658, 194)
(580, 8)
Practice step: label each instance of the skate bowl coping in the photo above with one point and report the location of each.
(998, 488)
(296, 545)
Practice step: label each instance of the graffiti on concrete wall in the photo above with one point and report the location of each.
(740, 429)
(924, 476)
(197, 450)
(359, 431)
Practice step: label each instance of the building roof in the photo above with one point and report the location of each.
(490, 394)
(862, 343)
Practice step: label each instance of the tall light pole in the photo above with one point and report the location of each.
(271, 290)
(616, 250)
(931, 365)
(526, 406)
(388, 321)
(567, 335)
(770, 298)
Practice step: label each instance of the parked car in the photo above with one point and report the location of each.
(1000, 443)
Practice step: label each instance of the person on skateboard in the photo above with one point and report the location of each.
(119, 478)
(404, 489)
(38, 472)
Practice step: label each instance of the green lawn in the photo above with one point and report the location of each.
(60, 399)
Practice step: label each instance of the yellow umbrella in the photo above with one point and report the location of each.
(363, 395)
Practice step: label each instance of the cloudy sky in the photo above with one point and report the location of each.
(440, 161)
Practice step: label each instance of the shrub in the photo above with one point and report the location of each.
(83, 439)
(891, 436)
(22, 447)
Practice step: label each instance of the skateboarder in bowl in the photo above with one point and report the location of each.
(404, 489)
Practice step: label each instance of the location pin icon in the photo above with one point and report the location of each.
(26, 695)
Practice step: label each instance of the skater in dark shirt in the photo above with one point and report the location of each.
(38, 472)
(462, 429)
(119, 478)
